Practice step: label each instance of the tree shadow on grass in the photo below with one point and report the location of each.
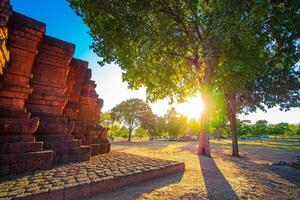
(142, 144)
(216, 184)
(288, 173)
(135, 191)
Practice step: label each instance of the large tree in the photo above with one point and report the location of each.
(131, 113)
(176, 48)
(149, 122)
(176, 124)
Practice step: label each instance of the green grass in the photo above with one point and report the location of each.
(288, 146)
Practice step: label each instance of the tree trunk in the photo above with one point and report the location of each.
(231, 111)
(218, 133)
(204, 146)
(129, 134)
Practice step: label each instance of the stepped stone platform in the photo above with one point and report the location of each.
(79, 180)
(48, 101)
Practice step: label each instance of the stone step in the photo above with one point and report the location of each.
(66, 144)
(78, 136)
(50, 94)
(16, 138)
(87, 141)
(20, 163)
(85, 186)
(12, 103)
(82, 149)
(51, 117)
(95, 148)
(15, 88)
(52, 128)
(18, 125)
(15, 79)
(104, 148)
(6, 159)
(83, 153)
(20, 147)
(44, 108)
(7, 113)
(46, 102)
(56, 137)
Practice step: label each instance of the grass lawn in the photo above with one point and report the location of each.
(283, 145)
(218, 177)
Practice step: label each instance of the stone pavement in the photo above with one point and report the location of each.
(78, 180)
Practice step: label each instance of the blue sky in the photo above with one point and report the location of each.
(64, 24)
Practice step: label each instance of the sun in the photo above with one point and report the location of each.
(192, 108)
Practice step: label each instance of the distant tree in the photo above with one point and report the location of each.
(244, 129)
(297, 131)
(176, 124)
(194, 127)
(161, 125)
(283, 128)
(262, 122)
(274, 130)
(141, 133)
(149, 123)
(131, 113)
(114, 132)
(106, 119)
(261, 128)
(123, 132)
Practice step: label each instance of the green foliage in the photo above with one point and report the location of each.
(218, 118)
(117, 131)
(141, 133)
(149, 123)
(123, 132)
(245, 129)
(106, 119)
(261, 128)
(247, 50)
(193, 127)
(281, 128)
(132, 113)
(161, 126)
(241, 48)
(176, 124)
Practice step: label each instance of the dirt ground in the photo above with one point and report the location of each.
(218, 177)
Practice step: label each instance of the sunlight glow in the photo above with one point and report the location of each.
(192, 108)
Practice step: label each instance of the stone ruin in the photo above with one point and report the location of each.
(49, 109)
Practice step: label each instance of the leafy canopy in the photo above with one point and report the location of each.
(131, 113)
(248, 49)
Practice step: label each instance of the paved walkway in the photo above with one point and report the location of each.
(77, 180)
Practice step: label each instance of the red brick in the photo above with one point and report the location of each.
(71, 193)
(31, 166)
(17, 168)
(45, 164)
(4, 170)
(84, 190)
(56, 194)
(152, 174)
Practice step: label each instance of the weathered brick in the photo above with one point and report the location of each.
(84, 190)
(71, 192)
(17, 168)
